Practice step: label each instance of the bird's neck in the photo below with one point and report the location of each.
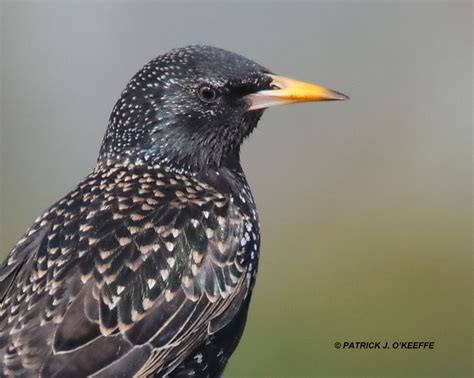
(170, 163)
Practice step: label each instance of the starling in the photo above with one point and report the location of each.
(147, 267)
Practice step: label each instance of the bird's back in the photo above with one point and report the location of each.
(138, 270)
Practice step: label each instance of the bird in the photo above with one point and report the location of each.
(146, 268)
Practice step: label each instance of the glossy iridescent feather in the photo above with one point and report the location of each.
(147, 266)
(134, 259)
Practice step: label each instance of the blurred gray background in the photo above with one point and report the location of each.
(365, 205)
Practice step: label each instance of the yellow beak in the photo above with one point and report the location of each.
(290, 91)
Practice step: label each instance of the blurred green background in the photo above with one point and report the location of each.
(365, 205)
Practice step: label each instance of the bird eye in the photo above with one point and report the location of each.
(207, 94)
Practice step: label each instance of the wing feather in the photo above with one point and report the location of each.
(104, 283)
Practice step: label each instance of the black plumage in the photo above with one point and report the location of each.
(147, 266)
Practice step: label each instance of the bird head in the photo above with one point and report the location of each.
(191, 108)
